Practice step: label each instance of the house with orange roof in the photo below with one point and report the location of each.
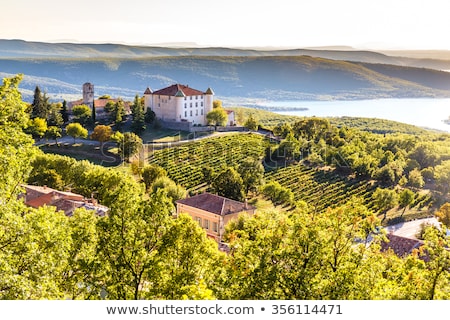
(213, 212)
(37, 196)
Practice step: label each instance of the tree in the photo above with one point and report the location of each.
(102, 134)
(110, 110)
(138, 116)
(174, 191)
(16, 147)
(217, 117)
(443, 214)
(415, 179)
(426, 154)
(76, 130)
(40, 105)
(54, 117)
(217, 104)
(149, 116)
(54, 133)
(405, 199)
(94, 115)
(37, 127)
(152, 172)
(290, 147)
(251, 171)
(277, 193)
(442, 176)
(229, 184)
(82, 114)
(384, 200)
(129, 144)
(64, 112)
(120, 113)
(251, 123)
(115, 112)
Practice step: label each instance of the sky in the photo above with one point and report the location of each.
(380, 24)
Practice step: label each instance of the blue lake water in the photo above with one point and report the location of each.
(428, 113)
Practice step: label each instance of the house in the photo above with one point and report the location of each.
(231, 118)
(179, 103)
(401, 246)
(213, 212)
(36, 196)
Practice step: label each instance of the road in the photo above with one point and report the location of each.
(411, 229)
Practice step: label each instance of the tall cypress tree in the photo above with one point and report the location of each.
(93, 111)
(137, 113)
(37, 102)
(64, 112)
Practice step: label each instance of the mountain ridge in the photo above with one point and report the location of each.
(271, 75)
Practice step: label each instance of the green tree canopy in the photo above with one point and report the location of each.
(82, 114)
(129, 145)
(76, 130)
(251, 123)
(251, 171)
(217, 117)
(102, 134)
(138, 116)
(229, 184)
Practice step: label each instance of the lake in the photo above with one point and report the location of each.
(427, 113)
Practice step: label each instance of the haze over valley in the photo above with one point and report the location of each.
(234, 74)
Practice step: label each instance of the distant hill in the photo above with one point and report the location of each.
(119, 70)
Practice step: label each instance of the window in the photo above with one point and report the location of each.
(191, 97)
(215, 227)
(196, 104)
(201, 111)
(185, 114)
(196, 112)
(191, 113)
(185, 105)
(199, 220)
(185, 98)
(201, 104)
(206, 224)
(191, 104)
(196, 97)
(159, 104)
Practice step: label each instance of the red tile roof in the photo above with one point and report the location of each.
(99, 103)
(216, 204)
(37, 196)
(173, 89)
(401, 246)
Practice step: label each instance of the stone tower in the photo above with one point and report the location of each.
(88, 94)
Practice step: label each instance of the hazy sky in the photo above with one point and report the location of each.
(394, 24)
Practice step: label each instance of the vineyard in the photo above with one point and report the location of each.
(319, 188)
(184, 163)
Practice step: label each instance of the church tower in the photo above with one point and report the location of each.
(88, 94)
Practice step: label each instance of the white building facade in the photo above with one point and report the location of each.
(180, 103)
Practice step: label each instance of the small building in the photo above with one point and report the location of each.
(401, 246)
(179, 103)
(213, 212)
(231, 118)
(36, 196)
